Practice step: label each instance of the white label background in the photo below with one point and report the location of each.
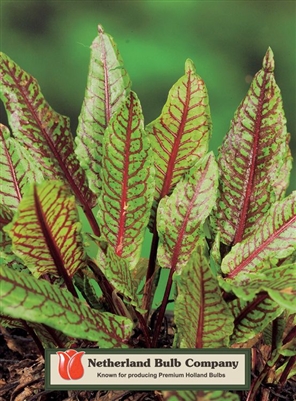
(232, 376)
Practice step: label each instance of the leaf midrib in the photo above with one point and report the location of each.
(251, 176)
(172, 160)
(11, 168)
(261, 248)
(176, 253)
(49, 142)
(53, 249)
(123, 200)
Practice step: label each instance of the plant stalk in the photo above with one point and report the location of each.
(162, 309)
(284, 376)
(256, 384)
(53, 335)
(148, 296)
(104, 284)
(144, 328)
(36, 339)
(290, 336)
(92, 220)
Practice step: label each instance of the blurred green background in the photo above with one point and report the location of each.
(226, 40)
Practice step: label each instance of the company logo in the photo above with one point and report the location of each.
(70, 366)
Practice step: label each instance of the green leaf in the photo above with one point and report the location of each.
(280, 370)
(273, 333)
(252, 317)
(289, 349)
(254, 160)
(279, 283)
(6, 216)
(127, 181)
(89, 293)
(215, 254)
(45, 231)
(202, 317)
(289, 260)
(24, 297)
(49, 337)
(274, 239)
(7, 321)
(6, 254)
(107, 86)
(139, 271)
(41, 130)
(180, 136)
(188, 395)
(117, 272)
(280, 174)
(17, 169)
(181, 215)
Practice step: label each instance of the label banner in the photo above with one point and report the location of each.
(147, 369)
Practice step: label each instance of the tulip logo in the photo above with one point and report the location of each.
(70, 366)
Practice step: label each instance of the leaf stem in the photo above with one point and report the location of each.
(148, 296)
(53, 334)
(290, 336)
(292, 360)
(256, 384)
(36, 339)
(284, 376)
(104, 284)
(162, 309)
(92, 220)
(144, 328)
(275, 329)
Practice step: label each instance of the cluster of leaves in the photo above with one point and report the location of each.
(223, 228)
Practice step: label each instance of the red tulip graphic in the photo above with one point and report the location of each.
(70, 366)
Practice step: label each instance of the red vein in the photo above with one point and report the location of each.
(260, 248)
(11, 168)
(174, 153)
(53, 148)
(250, 180)
(123, 200)
(51, 244)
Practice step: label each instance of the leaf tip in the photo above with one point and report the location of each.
(101, 29)
(268, 61)
(189, 66)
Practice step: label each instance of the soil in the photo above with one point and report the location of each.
(22, 377)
